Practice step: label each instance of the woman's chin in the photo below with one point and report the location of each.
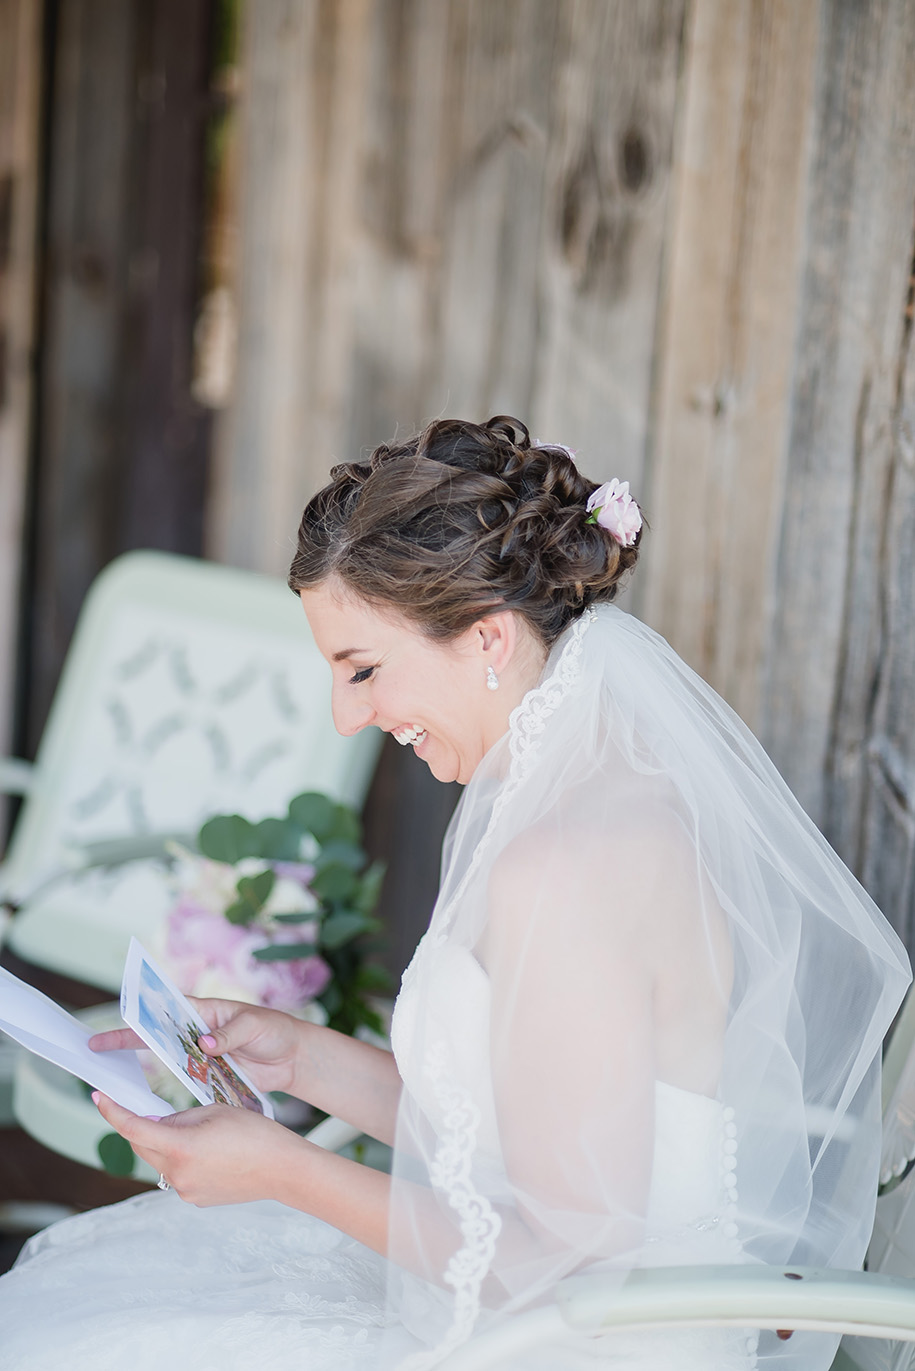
(444, 769)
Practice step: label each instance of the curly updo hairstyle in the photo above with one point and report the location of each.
(459, 521)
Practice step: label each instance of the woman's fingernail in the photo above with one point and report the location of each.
(208, 1041)
(153, 1118)
(95, 1096)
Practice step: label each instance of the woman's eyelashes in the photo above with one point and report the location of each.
(362, 675)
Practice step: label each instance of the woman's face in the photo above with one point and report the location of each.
(430, 695)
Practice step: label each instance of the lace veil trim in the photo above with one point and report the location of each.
(451, 1173)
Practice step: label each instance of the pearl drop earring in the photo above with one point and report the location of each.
(492, 680)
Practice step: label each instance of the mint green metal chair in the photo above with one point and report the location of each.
(189, 689)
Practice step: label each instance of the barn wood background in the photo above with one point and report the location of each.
(676, 235)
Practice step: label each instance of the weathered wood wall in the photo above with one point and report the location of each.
(675, 234)
(122, 446)
(839, 704)
(20, 108)
(456, 207)
(780, 467)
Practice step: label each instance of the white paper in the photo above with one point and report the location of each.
(39, 1024)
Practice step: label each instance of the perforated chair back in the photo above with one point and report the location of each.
(190, 689)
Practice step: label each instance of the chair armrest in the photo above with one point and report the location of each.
(332, 1134)
(16, 777)
(855, 1302)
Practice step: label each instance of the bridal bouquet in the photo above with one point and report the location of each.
(273, 913)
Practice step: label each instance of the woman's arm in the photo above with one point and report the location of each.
(357, 1082)
(220, 1155)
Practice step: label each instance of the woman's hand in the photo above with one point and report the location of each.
(213, 1155)
(264, 1042)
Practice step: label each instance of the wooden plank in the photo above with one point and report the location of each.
(844, 584)
(20, 96)
(89, 132)
(418, 237)
(724, 382)
(122, 446)
(609, 167)
(454, 207)
(869, 803)
(299, 157)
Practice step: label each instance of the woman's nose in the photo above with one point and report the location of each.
(350, 714)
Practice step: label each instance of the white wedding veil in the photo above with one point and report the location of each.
(644, 1026)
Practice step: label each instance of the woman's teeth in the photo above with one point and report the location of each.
(412, 735)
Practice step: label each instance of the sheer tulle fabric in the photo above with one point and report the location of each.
(643, 1029)
(644, 1025)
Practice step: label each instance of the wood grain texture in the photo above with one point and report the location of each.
(837, 714)
(121, 446)
(20, 99)
(449, 208)
(724, 371)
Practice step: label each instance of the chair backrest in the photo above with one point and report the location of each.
(190, 689)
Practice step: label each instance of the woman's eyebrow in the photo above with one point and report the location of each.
(348, 652)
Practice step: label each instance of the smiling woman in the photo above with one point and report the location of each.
(423, 691)
(643, 1028)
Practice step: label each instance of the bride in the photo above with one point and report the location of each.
(643, 1027)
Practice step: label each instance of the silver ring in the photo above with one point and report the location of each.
(162, 1183)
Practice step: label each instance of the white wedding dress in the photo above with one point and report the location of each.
(626, 809)
(155, 1283)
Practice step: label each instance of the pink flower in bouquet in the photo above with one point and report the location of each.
(210, 956)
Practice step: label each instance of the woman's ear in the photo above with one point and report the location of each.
(497, 639)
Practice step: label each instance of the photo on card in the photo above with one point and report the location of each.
(170, 1026)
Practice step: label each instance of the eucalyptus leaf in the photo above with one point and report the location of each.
(373, 978)
(255, 890)
(346, 827)
(228, 838)
(284, 952)
(344, 853)
(332, 999)
(278, 840)
(116, 1155)
(339, 928)
(334, 882)
(314, 813)
(240, 912)
(370, 888)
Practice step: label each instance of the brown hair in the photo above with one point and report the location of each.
(459, 521)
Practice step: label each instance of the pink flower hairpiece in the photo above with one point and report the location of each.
(614, 509)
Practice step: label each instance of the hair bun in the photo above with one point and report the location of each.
(461, 520)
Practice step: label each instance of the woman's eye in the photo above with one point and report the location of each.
(362, 675)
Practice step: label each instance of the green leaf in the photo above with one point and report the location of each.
(369, 891)
(346, 827)
(334, 883)
(344, 853)
(228, 838)
(116, 1155)
(284, 952)
(301, 918)
(339, 928)
(314, 813)
(254, 891)
(332, 999)
(278, 840)
(373, 978)
(240, 912)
